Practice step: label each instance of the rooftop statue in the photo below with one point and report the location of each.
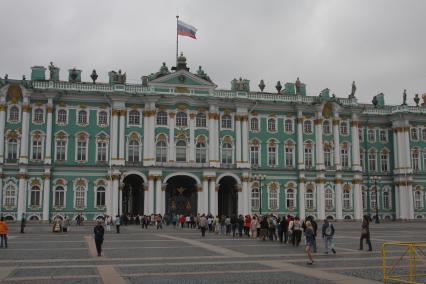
(164, 70)
(94, 76)
(404, 98)
(51, 70)
(375, 101)
(117, 78)
(278, 87)
(261, 85)
(298, 85)
(240, 85)
(417, 99)
(353, 90)
(202, 74)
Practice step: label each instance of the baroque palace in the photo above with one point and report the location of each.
(177, 144)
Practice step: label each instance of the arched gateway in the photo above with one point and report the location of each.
(181, 195)
(228, 196)
(133, 195)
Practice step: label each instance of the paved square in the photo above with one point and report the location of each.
(182, 256)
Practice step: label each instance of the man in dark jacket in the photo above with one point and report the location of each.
(99, 237)
(327, 235)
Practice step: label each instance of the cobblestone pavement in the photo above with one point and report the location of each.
(182, 256)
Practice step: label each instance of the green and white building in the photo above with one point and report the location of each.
(177, 144)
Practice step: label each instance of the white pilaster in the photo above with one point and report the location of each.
(214, 136)
(2, 125)
(245, 141)
(151, 194)
(23, 159)
(301, 195)
(238, 139)
(205, 195)
(339, 199)
(191, 138)
(122, 137)
(356, 164)
(46, 196)
(115, 197)
(48, 142)
(200, 199)
(172, 145)
(300, 159)
(397, 202)
(1, 190)
(410, 205)
(358, 210)
(246, 196)
(240, 200)
(320, 199)
(159, 194)
(114, 139)
(213, 196)
(22, 193)
(319, 143)
(336, 138)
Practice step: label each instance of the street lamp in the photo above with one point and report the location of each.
(260, 178)
(375, 179)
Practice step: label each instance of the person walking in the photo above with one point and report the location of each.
(365, 233)
(296, 229)
(203, 225)
(117, 223)
(309, 234)
(3, 232)
(327, 235)
(23, 222)
(65, 224)
(99, 236)
(253, 227)
(108, 223)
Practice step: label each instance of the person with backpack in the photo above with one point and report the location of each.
(99, 232)
(296, 229)
(365, 233)
(309, 234)
(117, 223)
(327, 235)
(203, 225)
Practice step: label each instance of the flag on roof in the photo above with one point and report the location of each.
(184, 29)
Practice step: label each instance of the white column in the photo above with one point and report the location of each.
(356, 164)
(48, 142)
(406, 145)
(237, 119)
(159, 197)
(301, 195)
(300, 160)
(191, 138)
(358, 198)
(151, 193)
(397, 202)
(410, 205)
(319, 143)
(240, 200)
(205, 195)
(25, 132)
(213, 196)
(339, 199)
(336, 138)
(122, 136)
(245, 140)
(246, 196)
(146, 205)
(172, 156)
(211, 137)
(214, 137)
(150, 134)
(115, 197)
(1, 191)
(395, 149)
(108, 198)
(46, 196)
(114, 138)
(22, 194)
(200, 199)
(2, 124)
(320, 199)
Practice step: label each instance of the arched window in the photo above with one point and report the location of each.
(14, 114)
(326, 129)
(328, 156)
(101, 151)
(418, 199)
(161, 151)
(288, 125)
(62, 116)
(162, 118)
(347, 200)
(415, 157)
(255, 199)
(200, 120)
(102, 118)
(35, 196)
(344, 128)
(372, 161)
(61, 147)
(181, 119)
(181, 151)
(344, 155)
(254, 124)
(82, 117)
(371, 135)
(254, 153)
(37, 148)
(80, 197)
(82, 148)
(226, 121)
(272, 125)
(226, 153)
(307, 127)
(373, 201)
(200, 152)
(100, 196)
(308, 155)
(290, 198)
(272, 154)
(59, 197)
(133, 152)
(386, 199)
(309, 198)
(10, 196)
(12, 149)
(329, 199)
(134, 117)
(273, 198)
(38, 115)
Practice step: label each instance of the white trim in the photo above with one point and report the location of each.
(6, 185)
(43, 139)
(41, 189)
(128, 118)
(34, 108)
(77, 112)
(55, 186)
(231, 115)
(95, 193)
(66, 145)
(19, 114)
(107, 116)
(228, 174)
(179, 174)
(57, 116)
(75, 192)
(76, 147)
(275, 122)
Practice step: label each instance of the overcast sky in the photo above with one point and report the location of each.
(328, 44)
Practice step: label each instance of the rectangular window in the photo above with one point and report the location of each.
(415, 160)
(254, 155)
(371, 136)
(327, 158)
(344, 158)
(308, 157)
(384, 161)
(102, 151)
(59, 198)
(79, 198)
(81, 150)
(200, 155)
(361, 134)
(289, 150)
(372, 162)
(100, 198)
(272, 156)
(37, 150)
(383, 136)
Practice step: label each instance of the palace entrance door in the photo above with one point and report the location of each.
(181, 195)
(132, 195)
(227, 196)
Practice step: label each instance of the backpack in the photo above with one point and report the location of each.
(329, 230)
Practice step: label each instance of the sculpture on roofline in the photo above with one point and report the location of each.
(404, 98)
(202, 74)
(241, 85)
(416, 99)
(94, 76)
(353, 90)
(262, 85)
(298, 85)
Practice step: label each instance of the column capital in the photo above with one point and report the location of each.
(50, 109)
(299, 120)
(2, 107)
(318, 121)
(26, 108)
(115, 112)
(22, 176)
(336, 121)
(149, 113)
(46, 176)
(172, 114)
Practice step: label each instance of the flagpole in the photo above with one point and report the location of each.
(177, 39)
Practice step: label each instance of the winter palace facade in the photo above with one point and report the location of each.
(177, 144)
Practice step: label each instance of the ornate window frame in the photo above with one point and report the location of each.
(60, 123)
(59, 183)
(13, 183)
(139, 115)
(35, 182)
(80, 183)
(98, 113)
(33, 114)
(39, 135)
(77, 117)
(79, 137)
(9, 106)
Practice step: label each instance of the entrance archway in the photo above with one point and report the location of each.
(181, 195)
(133, 195)
(227, 196)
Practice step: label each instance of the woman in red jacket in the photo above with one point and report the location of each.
(247, 223)
(3, 232)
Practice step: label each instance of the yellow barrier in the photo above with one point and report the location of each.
(395, 270)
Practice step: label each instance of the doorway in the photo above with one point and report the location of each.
(133, 195)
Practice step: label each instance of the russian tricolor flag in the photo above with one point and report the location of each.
(184, 29)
